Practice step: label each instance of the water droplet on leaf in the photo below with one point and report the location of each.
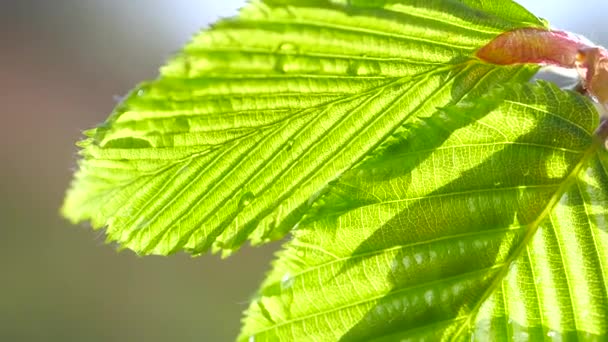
(394, 266)
(429, 297)
(142, 224)
(246, 199)
(289, 144)
(183, 169)
(364, 68)
(419, 258)
(286, 281)
(406, 262)
(288, 48)
(285, 60)
(380, 310)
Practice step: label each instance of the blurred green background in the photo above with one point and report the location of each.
(63, 63)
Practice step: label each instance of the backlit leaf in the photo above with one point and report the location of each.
(249, 123)
(487, 221)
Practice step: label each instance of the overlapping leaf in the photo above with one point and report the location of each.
(244, 128)
(487, 221)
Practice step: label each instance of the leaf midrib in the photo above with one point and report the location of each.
(569, 181)
(566, 277)
(185, 238)
(443, 238)
(154, 241)
(414, 80)
(298, 182)
(595, 244)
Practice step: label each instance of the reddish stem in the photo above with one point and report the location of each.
(549, 47)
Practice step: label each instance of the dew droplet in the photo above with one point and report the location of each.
(478, 244)
(252, 338)
(142, 224)
(282, 65)
(183, 169)
(246, 199)
(419, 258)
(456, 290)
(429, 297)
(364, 68)
(352, 68)
(518, 331)
(373, 69)
(415, 301)
(461, 247)
(406, 262)
(380, 310)
(287, 48)
(444, 296)
(286, 52)
(286, 281)
(141, 92)
(394, 266)
(397, 306)
(181, 124)
(405, 303)
(370, 319)
(552, 334)
(289, 144)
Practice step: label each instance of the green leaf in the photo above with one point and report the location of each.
(486, 221)
(246, 126)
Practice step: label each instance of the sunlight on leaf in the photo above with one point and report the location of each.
(431, 195)
(246, 126)
(486, 222)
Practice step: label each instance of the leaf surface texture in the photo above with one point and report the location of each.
(487, 222)
(248, 124)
